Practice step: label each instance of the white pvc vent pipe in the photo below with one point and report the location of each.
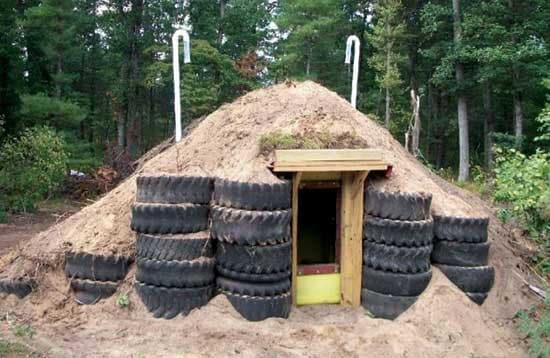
(176, 65)
(353, 40)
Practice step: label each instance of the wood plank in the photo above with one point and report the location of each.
(296, 155)
(321, 176)
(317, 163)
(295, 191)
(333, 167)
(351, 234)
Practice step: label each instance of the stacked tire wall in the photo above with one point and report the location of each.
(397, 244)
(461, 252)
(94, 277)
(251, 223)
(175, 255)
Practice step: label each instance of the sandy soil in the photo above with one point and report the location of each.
(442, 323)
(22, 227)
(431, 328)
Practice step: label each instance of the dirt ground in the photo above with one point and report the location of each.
(443, 323)
(430, 328)
(22, 227)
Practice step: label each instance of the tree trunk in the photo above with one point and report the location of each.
(440, 133)
(308, 62)
(433, 110)
(134, 92)
(388, 99)
(463, 143)
(517, 95)
(415, 99)
(387, 115)
(415, 102)
(518, 110)
(488, 125)
(121, 131)
(220, 27)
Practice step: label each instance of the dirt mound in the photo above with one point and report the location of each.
(226, 144)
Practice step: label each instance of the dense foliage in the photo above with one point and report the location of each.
(32, 167)
(522, 181)
(100, 71)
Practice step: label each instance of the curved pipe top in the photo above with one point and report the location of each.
(353, 40)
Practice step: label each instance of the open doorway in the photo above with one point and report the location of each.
(317, 226)
(318, 244)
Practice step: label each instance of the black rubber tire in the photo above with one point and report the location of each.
(252, 196)
(164, 302)
(175, 247)
(87, 292)
(470, 279)
(253, 288)
(20, 288)
(398, 232)
(255, 259)
(461, 229)
(96, 267)
(477, 297)
(181, 274)
(397, 206)
(397, 284)
(174, 189)
(460, 253)
(256, 308)
(385, 306)
(395, 258)
(169, 219)
(246, 227)
(252, 277)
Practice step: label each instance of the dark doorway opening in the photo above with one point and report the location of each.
(318, 226)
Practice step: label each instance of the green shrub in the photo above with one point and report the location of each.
(123, 301)
(31, 167)
(536, 328)
(522, 182)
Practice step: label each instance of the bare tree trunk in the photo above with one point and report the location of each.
(433, 114)
(220, 28)
(388, 97)
(517, 95)
(387, 114)
(463, 143)
(518, 110)
(121, 131)
(440, 134)
(134, 91)
(308, 62)
(415, 102)
(379, 103)
(488, 124)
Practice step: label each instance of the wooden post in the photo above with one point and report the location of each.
(295, 191)
(352, 237)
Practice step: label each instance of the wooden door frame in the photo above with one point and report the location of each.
(351, 235)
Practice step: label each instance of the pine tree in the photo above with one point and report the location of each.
(387, 38)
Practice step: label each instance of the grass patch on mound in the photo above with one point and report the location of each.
(13, 349)
(309, 140)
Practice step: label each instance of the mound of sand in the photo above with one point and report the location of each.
(226, 144)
